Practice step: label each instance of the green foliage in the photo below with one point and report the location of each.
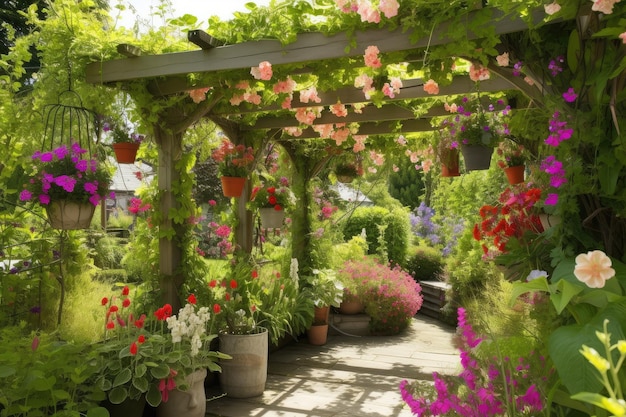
(425, 264)
(408, 184)
(355, 248)
(368, 218)
(42, 375)
(397, 235)
(109, 251)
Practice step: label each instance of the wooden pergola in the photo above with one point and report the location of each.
(167, 75)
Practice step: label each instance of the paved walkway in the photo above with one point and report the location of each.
(349, 376)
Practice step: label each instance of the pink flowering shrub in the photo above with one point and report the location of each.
(495, 387)
(390, 295)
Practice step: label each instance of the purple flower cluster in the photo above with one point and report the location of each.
(423, 226)
(558, 131)
(555, 66)
(476, 392)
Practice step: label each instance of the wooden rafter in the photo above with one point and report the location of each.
(308, 47)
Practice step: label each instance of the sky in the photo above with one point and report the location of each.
(202, 9)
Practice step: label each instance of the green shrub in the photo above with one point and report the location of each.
(355, 248)
(111, 275)
(368, 219)
(397, 235)
(109, 251)
(425, 264)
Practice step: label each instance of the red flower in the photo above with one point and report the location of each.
(233, 284)
(213, 283)
(217, 308)
(271, 190)
(141, 339)
(272, 199)
(476, 232)
(110, 325)
(164, 312)
(278, 207)
(125, 290)
(227, 296)
(254, 274)
(191, 299)
(126, 302)
(113, 309)
(139, 321)
(104, 301)
(133, 348)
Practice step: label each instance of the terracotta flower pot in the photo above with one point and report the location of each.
(233, 186)
(351, 307)
(317, 334)
(515, 175)
(126, 152)
(449, 171)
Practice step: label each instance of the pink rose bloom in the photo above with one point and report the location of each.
(431, 87)
(236, 99)
(371, 57)
(252, 97)
(286, 104)
(451, 108)
(478, 73)
(368, 12)
(293, 131)
(263, 71)
(324, 130)
(198, 95)
(552, 8)
(603, 6)
(359, 144)
(340, 135)
(593, 268)
(285, 86)
(529, 80)
(622, 36)
(339, 110)
(309, 95)
(389, 7)
(242, 85)
(363, 81)
(388, 91)
(503, 59)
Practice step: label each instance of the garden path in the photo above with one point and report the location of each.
(349, 376)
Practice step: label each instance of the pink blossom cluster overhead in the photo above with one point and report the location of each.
(368, 11)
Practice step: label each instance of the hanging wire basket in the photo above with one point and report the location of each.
(68, 121)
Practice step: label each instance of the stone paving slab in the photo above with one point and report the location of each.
(349, 376)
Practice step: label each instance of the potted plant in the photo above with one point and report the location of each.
(234, 164)
(236, 311)
(69, 184)
(478, 129)
(390, 295)
(512, 161)
(326, 290)
(448, 155)
(271, 199)
(146, 358)
(346, 172)
(125, 144)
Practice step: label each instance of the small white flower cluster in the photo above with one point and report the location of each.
(189, 325)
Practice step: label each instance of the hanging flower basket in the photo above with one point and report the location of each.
(126, 152)
(70, 215)
(515, 174)
(233, 186)
(271, 218)
(476, 157)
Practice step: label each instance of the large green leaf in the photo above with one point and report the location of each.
(160, 372)
(566, 291)
(122, 378)
(141, 384)
(153, 397)
(520, 288)
(565, 344)
(98, 412)
(117, 395)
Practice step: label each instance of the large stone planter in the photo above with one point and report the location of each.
(188, 403)
(244, 375)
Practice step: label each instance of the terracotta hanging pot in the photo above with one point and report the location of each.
(515, 174)
(476, 157)
(126, 152)
(270, 218)
(450, 171)
(70, 215)
(233, 186)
